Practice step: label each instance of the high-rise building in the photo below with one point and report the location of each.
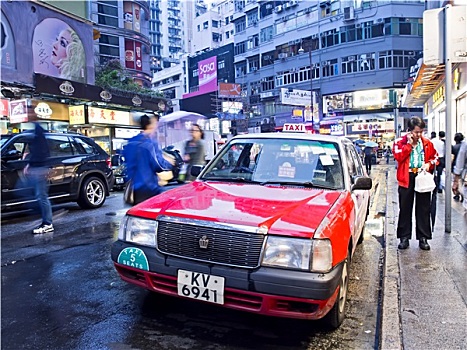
(124, 35)
(351, 54)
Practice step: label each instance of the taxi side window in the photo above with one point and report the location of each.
(357, 161)
(351, 166)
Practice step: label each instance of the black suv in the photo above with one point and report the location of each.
(79, 170)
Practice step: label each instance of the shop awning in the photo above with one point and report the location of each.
(427, 80)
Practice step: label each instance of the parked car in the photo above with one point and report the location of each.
(269, 226)
(79, 170)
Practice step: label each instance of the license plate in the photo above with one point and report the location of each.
(201, 286)
(119, 180)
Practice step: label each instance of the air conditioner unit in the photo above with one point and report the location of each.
(267, 57)
(314, 36)
(298, 41)
(307, 10)
(254, 22)
(264, 80)
(325, 63)
(282, 55)
(294, 3)
(269, 6)
(284, 19)
(380, 20)
(254, 69)
(351, 58)
(358, 25)
(349, 13)
(286, 5)
(278, 9)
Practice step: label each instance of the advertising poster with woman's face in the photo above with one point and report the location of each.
(58, 51)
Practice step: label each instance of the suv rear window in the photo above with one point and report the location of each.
(84, 146)
(60, 146)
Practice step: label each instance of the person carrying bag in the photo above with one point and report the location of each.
(415, 156)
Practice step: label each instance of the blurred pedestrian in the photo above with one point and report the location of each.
(37, 171)
(195, 152)
(368, 153)
(414, 153)
(144, 160)
(458, 138)
(460, 173)
(440, 147)
(387, 154)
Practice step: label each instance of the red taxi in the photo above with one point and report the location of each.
(269, 226)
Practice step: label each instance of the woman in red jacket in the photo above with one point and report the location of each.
(413, 153)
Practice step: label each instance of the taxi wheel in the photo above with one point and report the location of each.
(336, 316)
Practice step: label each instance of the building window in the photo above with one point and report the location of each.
(240, 48)
(215, 24)
(240, 26)
(366, 62)
(330, 68)
(267, 84)
(107, 21)
(349, 64)
(267, 34)
(206, 25)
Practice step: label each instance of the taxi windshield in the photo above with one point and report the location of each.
(289, 162)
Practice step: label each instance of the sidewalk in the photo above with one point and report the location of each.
(424, 292)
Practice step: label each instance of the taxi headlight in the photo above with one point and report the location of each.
(139, 231)
(295, 253)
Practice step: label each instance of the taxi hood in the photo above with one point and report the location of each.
(287, 210)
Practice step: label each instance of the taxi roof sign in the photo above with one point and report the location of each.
(290, 127)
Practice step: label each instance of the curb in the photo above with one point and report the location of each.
(391, 337)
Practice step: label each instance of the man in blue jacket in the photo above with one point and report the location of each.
(37, 170)
(144, 160)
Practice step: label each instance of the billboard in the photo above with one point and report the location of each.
(295, 97)
(229, 90)
(133, 55)
(207, 75)
(58, 51)
(18, 111)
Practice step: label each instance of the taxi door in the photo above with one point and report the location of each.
(359, 197)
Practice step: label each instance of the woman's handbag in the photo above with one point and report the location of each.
(424, 182)
(128, 195)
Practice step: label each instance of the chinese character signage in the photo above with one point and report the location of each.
(107, 116)
(76, 115)
(295, 97)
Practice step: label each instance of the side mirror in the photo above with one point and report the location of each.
(362, 183)
(196, 170)
(12, 155)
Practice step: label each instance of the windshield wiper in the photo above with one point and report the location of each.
(307, 184)
(228, 179)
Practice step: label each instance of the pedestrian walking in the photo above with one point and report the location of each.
(440, 147)
(36, 171)
(368, 153)
(460, 173)
(387, 154)
(144, 160)
(458, 138)
(195, 152)
(414, 153)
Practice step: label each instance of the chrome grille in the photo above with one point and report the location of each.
(228, 247)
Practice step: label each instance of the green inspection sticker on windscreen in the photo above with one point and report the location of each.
(133, 257)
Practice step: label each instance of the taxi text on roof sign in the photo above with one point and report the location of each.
(294, 128)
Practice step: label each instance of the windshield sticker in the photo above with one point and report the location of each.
(286, 147)
(317, 149)
(326, 159)
(286, 170)
(330, 149)
(133, 257)
(319, 175)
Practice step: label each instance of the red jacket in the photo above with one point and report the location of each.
(402, 150)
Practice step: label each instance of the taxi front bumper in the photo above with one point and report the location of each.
(264, 290)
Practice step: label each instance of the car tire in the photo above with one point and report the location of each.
(336, 316)
(92, 193)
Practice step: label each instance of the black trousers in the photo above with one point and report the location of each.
(407, 196)
(368, 163)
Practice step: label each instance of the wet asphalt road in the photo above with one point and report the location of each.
(60, 291)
